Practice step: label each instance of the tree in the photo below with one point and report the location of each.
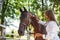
(4, 7)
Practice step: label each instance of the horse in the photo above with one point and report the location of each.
(26, 19)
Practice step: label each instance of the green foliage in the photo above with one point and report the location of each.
(7, 35)
(58, 18)
(55, 2)
(12, 7)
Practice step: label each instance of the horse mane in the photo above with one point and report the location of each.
(39, 28)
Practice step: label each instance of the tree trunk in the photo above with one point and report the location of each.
(42, 9)
(4, 7)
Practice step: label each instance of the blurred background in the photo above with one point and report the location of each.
(10, 14)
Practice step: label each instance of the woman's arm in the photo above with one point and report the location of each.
(41, 22)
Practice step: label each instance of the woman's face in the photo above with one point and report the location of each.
(47, 17)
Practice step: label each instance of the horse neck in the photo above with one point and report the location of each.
(36, 26)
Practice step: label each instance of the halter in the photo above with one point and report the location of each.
(24, 24)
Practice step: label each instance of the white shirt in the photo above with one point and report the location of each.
(52, 30)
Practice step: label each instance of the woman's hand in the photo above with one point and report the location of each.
(36, 18)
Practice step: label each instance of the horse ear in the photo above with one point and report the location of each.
(21, 10)
(25, 9)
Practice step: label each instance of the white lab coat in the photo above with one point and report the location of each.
(52, 30)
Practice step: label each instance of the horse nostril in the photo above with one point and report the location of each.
(21, 31)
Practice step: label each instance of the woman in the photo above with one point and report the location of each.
(51, 27)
